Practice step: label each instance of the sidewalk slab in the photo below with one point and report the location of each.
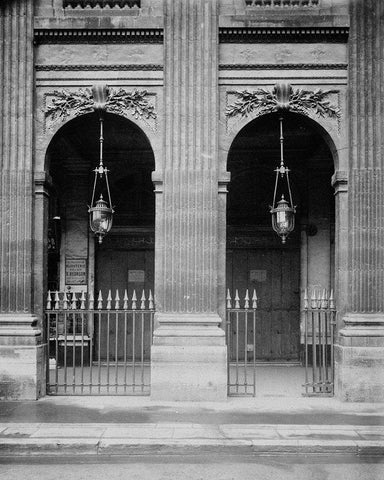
(140, 410)
(187, 439)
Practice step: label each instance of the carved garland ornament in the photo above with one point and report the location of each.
(283, 97)
(80, 102)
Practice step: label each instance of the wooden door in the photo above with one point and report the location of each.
(120, 270)
(274, 273)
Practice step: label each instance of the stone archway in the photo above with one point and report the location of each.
(255, 256)
(71, 156)
(77, 264)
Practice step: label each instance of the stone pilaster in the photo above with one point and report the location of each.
(188, 356)
(21, 368)
(360, 354)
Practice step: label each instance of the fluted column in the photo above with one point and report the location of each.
(361, 358)
(366, 103)
(18, 332)
(187, 240)
(188, 282)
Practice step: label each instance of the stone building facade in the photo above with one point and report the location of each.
(192, 176)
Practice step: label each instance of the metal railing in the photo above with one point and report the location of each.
(101, 349)
(319, 324)
(282, 3)
(241, 344)
(101, 3)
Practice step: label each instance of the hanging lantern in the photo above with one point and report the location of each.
(283, 212)
(100, 218)
(101, 213)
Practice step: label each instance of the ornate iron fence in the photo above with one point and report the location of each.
(101, 3)
(319, 325)
(282, 3)
(99, 347)
(241, 344)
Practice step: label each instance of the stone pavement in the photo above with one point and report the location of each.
(136, 426)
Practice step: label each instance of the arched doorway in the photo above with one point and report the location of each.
(256, 258)
(124, 262)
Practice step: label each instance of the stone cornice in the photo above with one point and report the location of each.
(98, 35)
(283, 34)
(97, 67)
(284, 66)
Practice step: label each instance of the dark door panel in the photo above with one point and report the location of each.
(131, 270)
(274, 273)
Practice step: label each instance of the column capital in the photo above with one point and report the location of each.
(224, 179)
(43, 183)
(157, 180)
(340, 181)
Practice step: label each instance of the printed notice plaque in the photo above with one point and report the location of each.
(258, 275)
(76, 271)
(135, 276)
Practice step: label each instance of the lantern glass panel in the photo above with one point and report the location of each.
(101, 221)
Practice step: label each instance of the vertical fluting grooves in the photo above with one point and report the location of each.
(190, 163)
(16, 70)
(366, 113)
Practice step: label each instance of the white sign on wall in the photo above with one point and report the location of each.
(75, 271)
(257, 275)
(136, 276)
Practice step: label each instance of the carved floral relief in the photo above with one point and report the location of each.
(283, 97)
(67, 103)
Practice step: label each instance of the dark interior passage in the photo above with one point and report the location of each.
(256, 258)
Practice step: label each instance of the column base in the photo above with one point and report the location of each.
(22, 367)
(188, 359)
(359, 359)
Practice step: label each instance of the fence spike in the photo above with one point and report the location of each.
(109, 300)
(91, 301)
(246, 299)
(125, 300)
(142, 304)
(74, 301)
(134, 298)
(306, 305)
(57, 300)
(117, 300)
(237, 299)
(324, 299)
(313, 300)
(82, 300)
(331, 301)
(318, 303)
(254, 299)
(66, 300)
(229, 303)
(100, 301)
(150, 299)
(49, 302)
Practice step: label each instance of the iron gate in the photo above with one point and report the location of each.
(317, 332)
(241, 345)
(99, 350)
(319, 324)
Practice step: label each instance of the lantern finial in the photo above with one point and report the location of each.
(101, 214)
(283, 212)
